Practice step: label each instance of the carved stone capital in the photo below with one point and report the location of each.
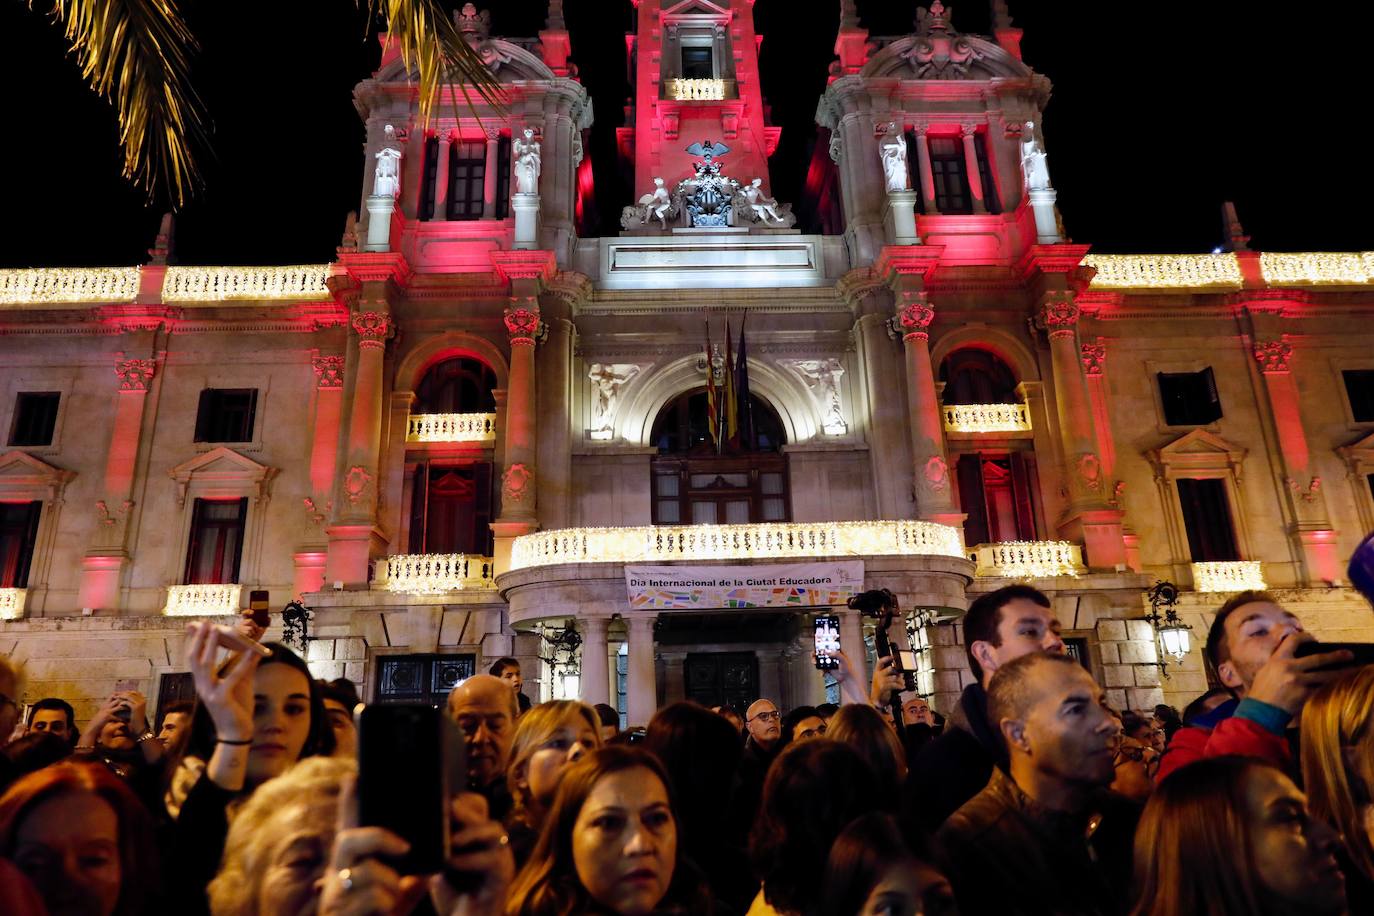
(328, 371)
(1094, 355)
(915, 315)
(522, 322)
(1059, 315)
(1273, 355)
(372, 329)
(135, 374)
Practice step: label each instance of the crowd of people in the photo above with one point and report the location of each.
(1031, 796)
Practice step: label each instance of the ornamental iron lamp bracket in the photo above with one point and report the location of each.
(1173, 633)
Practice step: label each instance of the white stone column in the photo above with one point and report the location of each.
(1046, 225)
(441, 178)
(379, 210)
(927, 176)
(674, 683)
(901, 218)
(975, 177)
(489, 176)
(641, 692)
(595, 679)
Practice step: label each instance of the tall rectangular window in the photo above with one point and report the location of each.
(450, 510)
(720, 491)
(503, 177)
(990, 197)
(35, 417)
(1359, 387)
(949, 170)
(467, 178)
(18, 534)
(1207, 520)
(1189, 398)
(226, 414)
(697, 63)
(429, 177)
(998, 495)
(216, 541)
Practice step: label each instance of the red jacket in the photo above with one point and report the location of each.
(1229, 730)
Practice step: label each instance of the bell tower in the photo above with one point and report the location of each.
(696, 81)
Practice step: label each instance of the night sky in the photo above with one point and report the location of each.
(1160, 112)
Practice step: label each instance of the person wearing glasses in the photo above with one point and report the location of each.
(763, 728)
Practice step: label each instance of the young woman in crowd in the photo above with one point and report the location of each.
(1338, 773)
(264, 714)
(83, 839)
(869, 732)
(1232, 836)
(609, 845)
(872, 872)
(701, 752)
(814, 789)
(547, 739)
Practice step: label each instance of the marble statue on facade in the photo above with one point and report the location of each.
(607, 380)
(1034, 161)
(386, 180)
(527, 163)
(657, 205)
(823, 379)
(761, 208)
(892, 149)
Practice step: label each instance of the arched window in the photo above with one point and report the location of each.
(694, 483)
(458, 385)
(974, 376)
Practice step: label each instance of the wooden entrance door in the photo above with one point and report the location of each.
(717, 678)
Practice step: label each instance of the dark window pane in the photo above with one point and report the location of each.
(35, 417)
(467, 179)
(457, 505)
(1359, 386)
(503, 178)
(226, 414)
(990, 198)
(973, 376)
(18, 533)
(216, 541)
(421, 678)
(948, 168)
(1207, 519)
(1189, 398)
(458, 385)
(696, 63)
(429, 177)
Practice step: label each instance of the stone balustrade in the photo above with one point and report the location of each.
(45, 285)
(1232, 576)
(700, 90)
(666, 543)
(1027, 559)
(12, 603)
(986, 418)
(1164, 271)
(434, 573)
(215, 284)
(451, 427)
(203, 600)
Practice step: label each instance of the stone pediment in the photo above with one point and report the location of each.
(23, 476)
(508, 61)
(1198, 450)
(696, 8)
(967, 58)
(222, 472)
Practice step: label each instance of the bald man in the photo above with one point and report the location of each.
(484, 708)
(763, 725)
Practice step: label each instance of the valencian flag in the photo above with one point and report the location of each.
(745, 408)
(712, 415)
(731, 426)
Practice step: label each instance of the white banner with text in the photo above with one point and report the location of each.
(700, 588)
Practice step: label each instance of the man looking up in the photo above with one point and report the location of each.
(763, 728)
(508, 670)
(51, 714)
(999, 627)
(1250, 647)
(484, 708)
(1045, 836)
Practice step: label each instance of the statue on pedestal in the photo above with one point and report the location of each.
(656, 205)
(527, 163)
(761, 207)
(1034, 162)
(386, 179)
(892, 150)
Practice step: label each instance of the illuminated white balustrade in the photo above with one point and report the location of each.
(986, 418)
(12, 603)
(434, 573)
(1027, 559)
(1164, 271)
(216, 284)
(699, 90)
(1313, 267)
(662, 543)
(1235, 576)
(451, 427)
(203, 600)
(42, 285)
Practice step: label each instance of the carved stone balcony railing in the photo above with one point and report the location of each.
(699, 90)
(1027, 559)
(216, 284)
(987, 418)
(1164, 271)
(665, 543)
(451, 427)
(43, 285)
(1233, 576)
(203, 600)
(434, 573)
(12, 603)
(1302, 268)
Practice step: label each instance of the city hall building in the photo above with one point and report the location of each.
(641, 463)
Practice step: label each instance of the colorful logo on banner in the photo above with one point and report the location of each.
(700, 588)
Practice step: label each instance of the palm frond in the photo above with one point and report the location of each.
(428, 40)
(135, 53)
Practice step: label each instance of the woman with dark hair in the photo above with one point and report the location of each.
(700, 750)
(872, 871)
(866, 730)
(84, 840)
(1231, 836)
(257, 716)
(813, 789)
(610, 845)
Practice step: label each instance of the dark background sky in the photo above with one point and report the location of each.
(1160, 112)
